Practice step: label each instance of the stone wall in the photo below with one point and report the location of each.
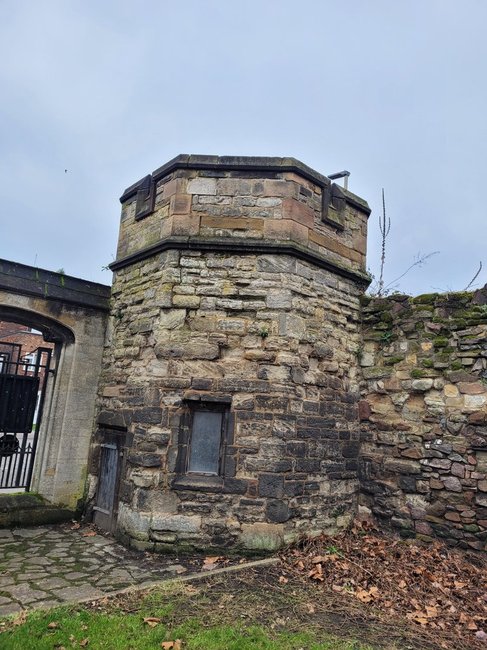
(424, 416)
(237, 282)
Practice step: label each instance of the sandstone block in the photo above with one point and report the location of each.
(277, 511)
(232, 223)
(201, 185)
(421, 385)
(171, 318)
(191, 350)
(176, 523)
(475, 402)
(471, 388)
(180, 204)
(135, 524)
(185, 225)
(189, 301)
(265, 537)
(298, 211)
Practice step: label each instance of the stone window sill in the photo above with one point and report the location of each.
(198, 483)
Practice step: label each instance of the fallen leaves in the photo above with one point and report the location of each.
(211, 562)
(435, 587)
(152, 621)
(367, 596)
(20, 619)
(172, 645)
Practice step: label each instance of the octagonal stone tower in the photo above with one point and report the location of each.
(230, 383)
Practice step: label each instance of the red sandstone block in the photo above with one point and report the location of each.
(471, 388)
(277, 229)
(299, 180)
(180, 204)
(297, 211)
(335, 246)
(174, 186)
(232, 223)
(285, 229)
(299, 233)
(359, 242)
(279, 188)
(364, 410)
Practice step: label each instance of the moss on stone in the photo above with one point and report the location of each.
(425, 298)
(459, 296)
(391, 361)
(443, 357)
(456, 365)
(386, 317)
(440, 342)
(427, 363)
(458, 323)
(418, 373)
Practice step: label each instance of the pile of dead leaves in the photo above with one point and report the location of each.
(437, 588)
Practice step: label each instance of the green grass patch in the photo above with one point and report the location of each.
(251, 610)
(122, 631)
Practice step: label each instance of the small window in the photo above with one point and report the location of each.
(205, 441)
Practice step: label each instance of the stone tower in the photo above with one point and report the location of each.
(230, 381)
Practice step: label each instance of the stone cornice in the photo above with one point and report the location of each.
(228, 245)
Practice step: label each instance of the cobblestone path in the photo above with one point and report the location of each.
(53, 565)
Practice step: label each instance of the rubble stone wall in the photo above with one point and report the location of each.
(424, 416)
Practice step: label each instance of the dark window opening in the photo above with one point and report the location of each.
(205, 442)
(205, 439)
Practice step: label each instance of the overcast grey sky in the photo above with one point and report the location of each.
(394, 91)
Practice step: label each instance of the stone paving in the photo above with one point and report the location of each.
(53, 565)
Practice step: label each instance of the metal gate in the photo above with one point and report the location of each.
(23, 383)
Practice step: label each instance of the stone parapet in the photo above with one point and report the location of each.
(237, 203)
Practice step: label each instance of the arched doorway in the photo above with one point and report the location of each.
(71, 315)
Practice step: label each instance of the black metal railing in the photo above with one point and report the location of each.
(14, 466)
(23, 382)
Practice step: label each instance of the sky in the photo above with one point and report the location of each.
(393, 91)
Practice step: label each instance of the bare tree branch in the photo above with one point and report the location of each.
(385, 227)
(420, 260)
(474, 277)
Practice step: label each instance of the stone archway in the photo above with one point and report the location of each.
(70, 313)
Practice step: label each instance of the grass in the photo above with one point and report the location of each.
(219, 613)
(122, 631)
(253, 609)
(128, 632)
